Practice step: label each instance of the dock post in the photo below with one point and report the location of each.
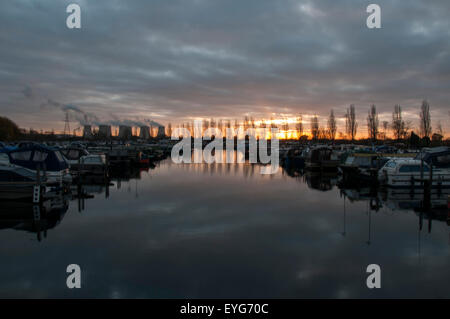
(79, 169)
(37, 187)
(426, 195)
(44, 168)
(36, 194)
(431, 175)
(421, 169)
(37, 221)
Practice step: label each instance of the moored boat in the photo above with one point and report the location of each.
(18, 183)
(362, 168)
(406, 172)
(49, 161)
(321, 158)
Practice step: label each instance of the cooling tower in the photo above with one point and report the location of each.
(125, 132)
(104, 131)
(161, 131)
(144, 132)
(87, 131)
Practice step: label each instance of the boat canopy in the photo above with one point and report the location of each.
(320, 153)
(33, 156)
(7, 149)
(74, 153)
(439, 157)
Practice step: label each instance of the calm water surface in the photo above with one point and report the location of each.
(225, 231)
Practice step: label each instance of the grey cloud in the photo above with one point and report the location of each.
(176, 60)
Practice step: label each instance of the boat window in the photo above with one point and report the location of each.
(363, 161)
(73, 154)
(4, 157)
(21, 156)
(39, 156)
(412, 169)
(92, 160)
(443, 159)
(59, 157)
(390, 164)
(420, 156)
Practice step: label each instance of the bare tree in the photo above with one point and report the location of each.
(332, 127)
(285, 125)
(272, 122)
(299, 126)
(315, 127)
(398, 125)
(385, 129)
(351, 126)
(425, 119)
(439, 129)
(406, 131)
(246, 122)
(220, 125)
(373, 123)
(323, 134)
(190, 128)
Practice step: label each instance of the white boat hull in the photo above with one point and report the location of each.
(414, 180)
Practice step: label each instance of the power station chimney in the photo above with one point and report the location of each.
(144, 132)
(161, 131)
(104, 131)
(125, 132)
(87, 131)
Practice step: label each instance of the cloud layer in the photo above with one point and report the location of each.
(178, 60)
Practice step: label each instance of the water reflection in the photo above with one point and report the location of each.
(37, 219)
(224, 231)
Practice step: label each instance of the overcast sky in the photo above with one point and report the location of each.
(173, 60)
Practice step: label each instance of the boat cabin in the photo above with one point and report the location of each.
(406, 166)
(34, 156)
(74, 154)
(439, 157)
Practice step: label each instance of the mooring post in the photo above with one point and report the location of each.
(421, 169)
(38, 174)
(426, 195)
(79, 168)
(429, 222)
(79, 189)
(428, 185)
(431, 174)
(44, 167)
(37, 187)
